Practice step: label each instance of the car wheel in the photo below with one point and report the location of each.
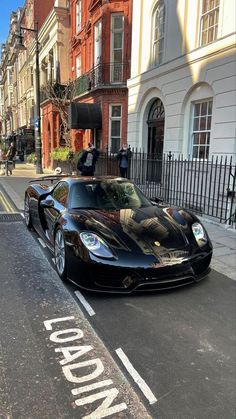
(60, 254)
(27, 214)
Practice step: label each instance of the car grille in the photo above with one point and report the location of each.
(124, 279)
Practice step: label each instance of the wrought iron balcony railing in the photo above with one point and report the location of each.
(103, 75)
(49, 91)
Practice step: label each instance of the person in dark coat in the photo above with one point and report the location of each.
(87, 162)
(123, 158)
(11, 153)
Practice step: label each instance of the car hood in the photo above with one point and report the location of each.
(149, 230)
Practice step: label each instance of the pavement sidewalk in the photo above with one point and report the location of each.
(223, 237)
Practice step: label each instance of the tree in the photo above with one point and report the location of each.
(60, 96)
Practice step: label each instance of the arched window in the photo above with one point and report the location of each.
(158, 33)
(157, 111)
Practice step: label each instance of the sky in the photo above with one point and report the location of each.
(6, 7)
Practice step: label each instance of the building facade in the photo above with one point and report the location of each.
(54, 38)
(33, 15)
(9, 114)
(182, 90)
(100, 66)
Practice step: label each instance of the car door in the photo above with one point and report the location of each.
(59, 198)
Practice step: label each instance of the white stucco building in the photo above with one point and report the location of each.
(182, 90)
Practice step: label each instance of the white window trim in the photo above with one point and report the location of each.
(209, 99)
(219, 29)
(76, 66)
(152, 33)
(98, 28)
(112, 31)
(78, 16)
(114, 118)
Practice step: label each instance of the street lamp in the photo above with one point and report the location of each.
(37, 125)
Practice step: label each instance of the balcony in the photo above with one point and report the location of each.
(55, 90)
(103, 75)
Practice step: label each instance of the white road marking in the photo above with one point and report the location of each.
(89, 370)
(86, 305)
(136, 377)
(42, 242)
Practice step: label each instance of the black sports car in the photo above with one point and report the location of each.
(107, 236)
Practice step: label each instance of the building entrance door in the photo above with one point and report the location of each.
(156, 125)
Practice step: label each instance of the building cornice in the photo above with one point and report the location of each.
(57, 14)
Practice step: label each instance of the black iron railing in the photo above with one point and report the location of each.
(206, 187)
(102, 75)
(61, 91)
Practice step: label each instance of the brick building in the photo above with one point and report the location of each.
(34, 11)
(54, 37)
(100, 65)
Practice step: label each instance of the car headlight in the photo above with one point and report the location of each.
(199, 234)
(96, 245)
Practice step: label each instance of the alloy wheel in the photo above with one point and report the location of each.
(60, 255)
(27, 212)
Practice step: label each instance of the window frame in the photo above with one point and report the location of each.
(206, 145)
(65, 205)
(78, 58)
(111, 119)
(215, 25)
(113, 49)
(97, 42)
(78, 16)
(158, 60)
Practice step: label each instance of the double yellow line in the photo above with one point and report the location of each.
(5, 203)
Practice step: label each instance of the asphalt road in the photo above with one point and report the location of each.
(182, 343)
(52, 363)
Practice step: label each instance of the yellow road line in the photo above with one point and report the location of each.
(6, 204)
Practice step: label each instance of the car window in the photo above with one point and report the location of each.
(82, 196)
(107, 195)
(60, 193)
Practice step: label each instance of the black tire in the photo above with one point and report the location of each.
(27, 214)
(60, 254)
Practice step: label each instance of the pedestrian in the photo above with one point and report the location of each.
(123, 158)
(87, 162)
(11, 153)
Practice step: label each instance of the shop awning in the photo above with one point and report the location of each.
(85, 116)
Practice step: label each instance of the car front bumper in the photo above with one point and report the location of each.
(115, 279)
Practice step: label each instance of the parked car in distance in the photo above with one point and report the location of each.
(106, 235)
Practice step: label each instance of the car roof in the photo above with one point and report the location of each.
(71, 179)
(85, 179)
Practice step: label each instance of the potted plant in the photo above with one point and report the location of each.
(61, 158)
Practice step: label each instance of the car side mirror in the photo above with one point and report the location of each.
(47, 203)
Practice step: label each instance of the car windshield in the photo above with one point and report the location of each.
(108, 194)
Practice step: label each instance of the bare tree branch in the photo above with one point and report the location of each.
(60, 96)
